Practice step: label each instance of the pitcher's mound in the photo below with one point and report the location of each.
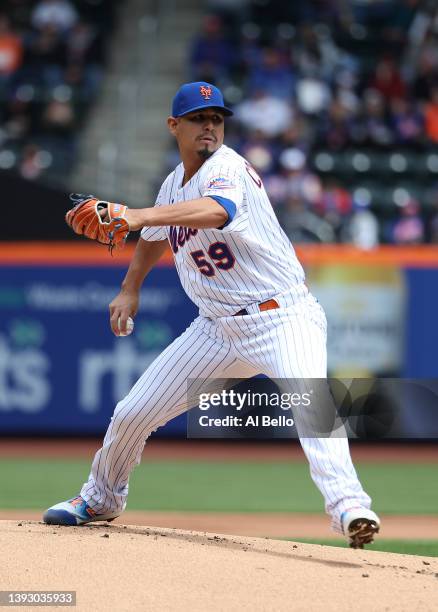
(117, 567)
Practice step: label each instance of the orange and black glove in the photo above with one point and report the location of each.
(98, 220)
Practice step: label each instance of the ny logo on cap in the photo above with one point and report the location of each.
(205, 92)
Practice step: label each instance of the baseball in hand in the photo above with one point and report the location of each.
(129, 327)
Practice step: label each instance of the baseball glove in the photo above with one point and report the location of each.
(98, 220)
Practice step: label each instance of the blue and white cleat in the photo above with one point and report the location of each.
(75, 511)
(360, 525)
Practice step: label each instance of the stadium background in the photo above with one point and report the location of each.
(337, 109)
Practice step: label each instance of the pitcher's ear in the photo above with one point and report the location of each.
(172, 122)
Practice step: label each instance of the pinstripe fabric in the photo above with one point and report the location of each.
(267, 263)
(202, 351)
(290, 343)
(286, 343)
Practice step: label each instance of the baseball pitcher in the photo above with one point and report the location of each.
(256, 315)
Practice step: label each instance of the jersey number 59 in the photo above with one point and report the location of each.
(221, 256)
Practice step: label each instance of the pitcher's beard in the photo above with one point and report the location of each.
(204, 154)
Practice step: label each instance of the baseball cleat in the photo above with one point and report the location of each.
(75, 511)
(360, 525)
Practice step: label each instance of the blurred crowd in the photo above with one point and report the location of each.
(336, 107)
(336, 103)
(52, 55)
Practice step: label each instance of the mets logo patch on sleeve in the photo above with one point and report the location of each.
(220, 182)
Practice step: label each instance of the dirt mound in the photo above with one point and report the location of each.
(118, 567)
(259, 524)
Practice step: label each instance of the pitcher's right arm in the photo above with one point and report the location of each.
(125, 304)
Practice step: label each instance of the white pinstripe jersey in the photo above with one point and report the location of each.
(249, 260)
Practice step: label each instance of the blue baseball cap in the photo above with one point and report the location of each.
(195, 96)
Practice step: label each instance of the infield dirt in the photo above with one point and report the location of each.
(122, 567)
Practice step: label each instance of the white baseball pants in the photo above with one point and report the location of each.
(289, 342)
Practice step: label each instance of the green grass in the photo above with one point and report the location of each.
(220, 487)
(425, 548)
